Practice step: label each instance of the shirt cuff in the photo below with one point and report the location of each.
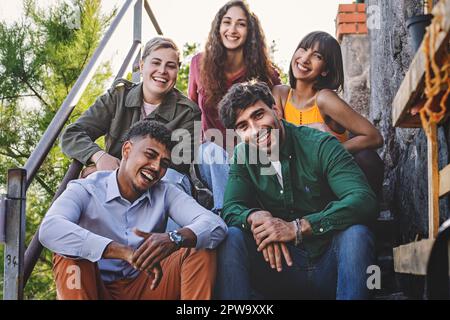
(319, 224)
(209, 236)
(93, 247)
(244, 216)
(91, 151)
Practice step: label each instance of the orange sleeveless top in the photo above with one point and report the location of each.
(307, 116)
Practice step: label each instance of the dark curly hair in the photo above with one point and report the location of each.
(241, 96)
(152, 129)
(256, 59)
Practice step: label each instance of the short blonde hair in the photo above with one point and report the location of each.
(158, 43)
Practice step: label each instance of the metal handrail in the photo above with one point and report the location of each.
(27, 260)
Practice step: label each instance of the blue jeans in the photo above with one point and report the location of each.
(181, 181)
(214, 168)
(340, 273)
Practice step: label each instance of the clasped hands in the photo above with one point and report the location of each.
(148, 257)
(271, 235)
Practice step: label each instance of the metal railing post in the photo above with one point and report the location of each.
(137, 37)
(15, 235)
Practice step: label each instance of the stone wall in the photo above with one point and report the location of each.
(404, 151)
(356, 59)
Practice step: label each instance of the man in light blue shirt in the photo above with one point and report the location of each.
(108, 230)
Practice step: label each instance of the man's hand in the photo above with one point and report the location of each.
(257, 218)
(105, 161)
(274, 230)
(272, 254)
(157, 273)
(154, 249)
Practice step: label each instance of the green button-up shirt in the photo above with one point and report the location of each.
(321, 183)
(117, 110)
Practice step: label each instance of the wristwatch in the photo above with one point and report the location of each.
(176, 238)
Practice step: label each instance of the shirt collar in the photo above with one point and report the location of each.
(166, 109)
(113, 192)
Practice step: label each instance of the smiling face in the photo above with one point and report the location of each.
(159, 70)
(144, 162)
(255, 125)
(234, 28)
(308, 64)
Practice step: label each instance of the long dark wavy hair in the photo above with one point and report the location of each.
(256, 58)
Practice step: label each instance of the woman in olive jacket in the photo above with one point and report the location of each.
(125, 103)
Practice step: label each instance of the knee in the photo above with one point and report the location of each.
(234, 242)
(206, 257)
(356, 238)
(369, 161)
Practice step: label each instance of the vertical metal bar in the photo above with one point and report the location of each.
(433, 182)
(137, 36)
(3, 209)
(15, 235)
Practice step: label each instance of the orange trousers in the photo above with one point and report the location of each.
(188, 274)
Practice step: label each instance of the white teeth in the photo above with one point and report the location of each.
(147, 175)
(302, 68)
(263, 136)
(160, 79)
(232, 38)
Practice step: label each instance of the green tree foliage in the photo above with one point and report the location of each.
(189, 50)
(41, 57)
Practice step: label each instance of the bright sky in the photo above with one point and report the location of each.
(283, 21)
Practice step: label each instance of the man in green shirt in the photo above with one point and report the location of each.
(297, 211)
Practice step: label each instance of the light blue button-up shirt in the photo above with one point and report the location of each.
(91, 213)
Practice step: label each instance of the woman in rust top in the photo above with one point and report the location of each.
(234, 52)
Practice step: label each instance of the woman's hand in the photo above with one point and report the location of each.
(105, 161)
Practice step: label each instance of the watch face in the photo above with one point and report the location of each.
(176, 237)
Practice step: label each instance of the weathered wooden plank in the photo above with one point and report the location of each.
(413, 257)
(433, 182)
(411, 89)
(444, 181)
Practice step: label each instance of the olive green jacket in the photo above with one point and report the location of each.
(113, 113)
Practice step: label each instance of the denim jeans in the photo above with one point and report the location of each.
(214, 168)
(340, 273)
(181, 181)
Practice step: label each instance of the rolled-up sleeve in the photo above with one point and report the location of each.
(60, 233)
(209, 228)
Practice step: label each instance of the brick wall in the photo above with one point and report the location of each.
(351, 19)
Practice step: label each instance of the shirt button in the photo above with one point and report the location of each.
(290, 157)
(243, 226)
(281, 191)
(321, 229)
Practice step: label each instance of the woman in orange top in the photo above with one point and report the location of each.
(315, 75)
